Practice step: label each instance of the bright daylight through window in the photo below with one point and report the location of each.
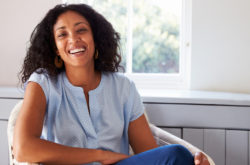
(154, 39)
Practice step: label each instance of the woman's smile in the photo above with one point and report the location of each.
(76, 52)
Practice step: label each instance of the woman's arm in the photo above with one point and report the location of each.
(140, 135)
(28, 147)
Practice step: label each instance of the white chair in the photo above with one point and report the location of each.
(162, 138)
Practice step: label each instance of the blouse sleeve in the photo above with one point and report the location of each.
(42, 79)
(134, 103)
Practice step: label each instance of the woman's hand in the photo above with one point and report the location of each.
(111, 157)
(200, 159)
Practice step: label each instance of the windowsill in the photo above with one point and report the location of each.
(195, 97)
(167, 96)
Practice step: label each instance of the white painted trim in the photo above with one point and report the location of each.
(195, 97)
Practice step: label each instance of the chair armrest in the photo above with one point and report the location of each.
(164, 138)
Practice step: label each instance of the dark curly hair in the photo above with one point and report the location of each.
(42, 50)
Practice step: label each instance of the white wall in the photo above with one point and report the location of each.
(221, 45)
(220, 41)
(18, 19)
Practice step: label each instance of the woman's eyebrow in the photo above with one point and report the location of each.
(62, 27)
(78, 23)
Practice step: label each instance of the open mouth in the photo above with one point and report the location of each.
(76, 51)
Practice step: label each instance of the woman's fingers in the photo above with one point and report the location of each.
(197, 158)
(112, 157)
(200, 159)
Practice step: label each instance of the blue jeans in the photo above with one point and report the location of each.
(174, 154)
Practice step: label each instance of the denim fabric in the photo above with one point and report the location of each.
(174, 154)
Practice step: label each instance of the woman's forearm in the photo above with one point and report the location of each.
(38, 150)
(42, 151)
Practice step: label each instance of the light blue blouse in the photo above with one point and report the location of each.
(113, 104)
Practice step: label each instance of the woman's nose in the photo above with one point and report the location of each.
(74, 38)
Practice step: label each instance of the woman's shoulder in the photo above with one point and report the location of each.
(43, 78)
(118, 79)
(41, 75)
(49, 84)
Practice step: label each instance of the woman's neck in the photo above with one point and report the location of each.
(88, 79)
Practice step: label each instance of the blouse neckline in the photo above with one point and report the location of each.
(77, 88)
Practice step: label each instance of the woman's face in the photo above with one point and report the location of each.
(74, 40)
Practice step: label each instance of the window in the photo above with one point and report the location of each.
(155, 37)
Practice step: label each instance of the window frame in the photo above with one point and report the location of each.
(167, 80)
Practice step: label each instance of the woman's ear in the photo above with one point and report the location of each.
(57, 52)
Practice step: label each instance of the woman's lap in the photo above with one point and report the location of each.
(165, 155)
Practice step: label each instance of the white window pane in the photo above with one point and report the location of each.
(156, 29)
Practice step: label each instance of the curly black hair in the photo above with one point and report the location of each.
(42, 50)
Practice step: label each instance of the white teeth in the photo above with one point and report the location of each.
(77, 50)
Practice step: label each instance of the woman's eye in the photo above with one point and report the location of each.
(81, 30)
(61, 35)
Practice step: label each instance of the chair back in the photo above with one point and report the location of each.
(10, 132)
